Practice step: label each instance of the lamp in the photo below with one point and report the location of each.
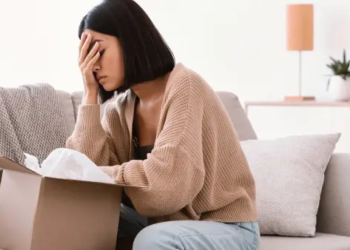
(300, 37)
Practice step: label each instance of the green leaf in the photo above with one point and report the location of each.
(338, 67)
(334, 61)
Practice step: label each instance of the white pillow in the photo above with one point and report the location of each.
(289, 175)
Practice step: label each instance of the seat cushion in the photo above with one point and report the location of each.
(319, 242)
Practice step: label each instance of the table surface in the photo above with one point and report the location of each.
(296, 103)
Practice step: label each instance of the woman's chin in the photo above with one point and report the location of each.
(108, 86)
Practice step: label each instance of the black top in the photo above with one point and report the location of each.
(142, 151)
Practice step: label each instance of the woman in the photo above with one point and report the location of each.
(166, 136)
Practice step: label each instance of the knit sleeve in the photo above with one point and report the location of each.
(173, 174)
(91, 136)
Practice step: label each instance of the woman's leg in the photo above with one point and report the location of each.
(198, 235)
(130, 224)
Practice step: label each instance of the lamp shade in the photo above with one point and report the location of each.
(300, 27)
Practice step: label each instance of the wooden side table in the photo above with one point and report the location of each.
(274, 119)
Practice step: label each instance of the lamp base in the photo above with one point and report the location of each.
(299, 98)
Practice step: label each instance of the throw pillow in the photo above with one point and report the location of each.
(289, 175)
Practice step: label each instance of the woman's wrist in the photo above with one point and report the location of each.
(90, 97)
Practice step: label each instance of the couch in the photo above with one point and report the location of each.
(333, 220)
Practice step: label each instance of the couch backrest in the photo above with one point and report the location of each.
(238, 116)
(231, 102)
(68, 109)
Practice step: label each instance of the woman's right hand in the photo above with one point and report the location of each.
(87, 60)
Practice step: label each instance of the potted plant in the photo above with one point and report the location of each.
(339, 82)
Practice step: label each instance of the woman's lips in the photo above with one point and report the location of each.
(102, 79)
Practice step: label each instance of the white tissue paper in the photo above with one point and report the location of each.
(63, 163)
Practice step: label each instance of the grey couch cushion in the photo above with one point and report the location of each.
(238, 116)
(67, 109)
(319, 242)
(77, 98)
(334, 215)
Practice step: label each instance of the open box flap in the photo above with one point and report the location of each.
(94, 182)
(6, 163)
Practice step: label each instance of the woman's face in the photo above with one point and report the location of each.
(109, 69)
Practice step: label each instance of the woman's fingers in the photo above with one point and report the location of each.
(91, 54)
(84, 48)
(93, 61)
(82, 41)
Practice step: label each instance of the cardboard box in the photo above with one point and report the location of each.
(41, 213)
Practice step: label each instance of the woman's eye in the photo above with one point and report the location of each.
(101, 52)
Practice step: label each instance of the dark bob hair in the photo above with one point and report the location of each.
(146, 54)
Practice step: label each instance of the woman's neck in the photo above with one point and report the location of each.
(149, 91)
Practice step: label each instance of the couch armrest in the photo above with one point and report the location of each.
(334, 211)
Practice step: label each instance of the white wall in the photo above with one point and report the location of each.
(39, 42)
(236, 45)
